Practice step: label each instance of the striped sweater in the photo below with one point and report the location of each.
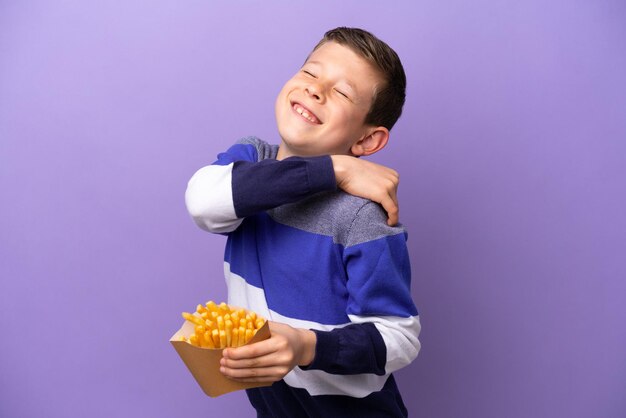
(303, 253)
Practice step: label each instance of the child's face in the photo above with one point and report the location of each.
(322, 108)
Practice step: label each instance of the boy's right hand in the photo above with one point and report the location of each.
(369, 180)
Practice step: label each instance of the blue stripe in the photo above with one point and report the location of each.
(238, 152)
(283, 400)
(303, 275)
(380, 277)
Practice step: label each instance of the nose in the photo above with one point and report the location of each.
(315, 91)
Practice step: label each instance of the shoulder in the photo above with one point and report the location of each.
(348, 219)
(370, 223)
(262, 150)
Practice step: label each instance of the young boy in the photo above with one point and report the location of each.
(312, 244)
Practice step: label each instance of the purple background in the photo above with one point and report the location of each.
(511, 149)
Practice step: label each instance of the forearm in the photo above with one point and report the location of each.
(271, 183)
(218, 197)
(354, 349)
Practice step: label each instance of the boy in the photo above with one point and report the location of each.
(309, 245)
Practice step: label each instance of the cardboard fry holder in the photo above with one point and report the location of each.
(204, 363)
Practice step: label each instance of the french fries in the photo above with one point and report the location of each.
(221, 326)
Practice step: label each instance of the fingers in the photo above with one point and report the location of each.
(261, 374)
(260, 349)
(389, 199)
(270, 360)
(390, 202)
(393, 212)
(255, 363)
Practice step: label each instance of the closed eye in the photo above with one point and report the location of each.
(342, 93)
(310, 74)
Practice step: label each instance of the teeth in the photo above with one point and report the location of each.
(305, 114)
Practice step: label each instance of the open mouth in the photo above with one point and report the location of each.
(305, 113)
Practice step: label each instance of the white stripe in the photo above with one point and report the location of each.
(400, 336)
(315, 382)
(318, 382)
(244, 295)
(209, 199)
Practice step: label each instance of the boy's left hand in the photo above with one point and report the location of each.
(270, 360)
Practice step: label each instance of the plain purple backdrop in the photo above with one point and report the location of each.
(512, 155)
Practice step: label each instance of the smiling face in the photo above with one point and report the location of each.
(322, 108)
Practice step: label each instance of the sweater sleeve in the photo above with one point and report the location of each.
(245, 180)
(384, 329)
(354, 349)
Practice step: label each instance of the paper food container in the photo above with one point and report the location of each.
(204, 363)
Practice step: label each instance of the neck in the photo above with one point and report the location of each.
(283, 152)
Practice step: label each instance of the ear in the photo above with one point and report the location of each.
(374, 141)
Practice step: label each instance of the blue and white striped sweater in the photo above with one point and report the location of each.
(303, 253)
